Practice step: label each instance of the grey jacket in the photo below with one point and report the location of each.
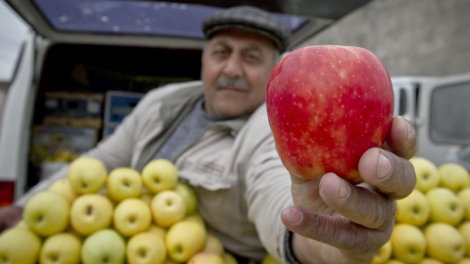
(239, 179)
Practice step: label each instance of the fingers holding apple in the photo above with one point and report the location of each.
(326, 106)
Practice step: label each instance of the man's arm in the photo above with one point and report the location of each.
(336, 222)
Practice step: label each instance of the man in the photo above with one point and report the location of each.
(217, 133)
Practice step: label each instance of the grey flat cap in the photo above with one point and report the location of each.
(248, 18)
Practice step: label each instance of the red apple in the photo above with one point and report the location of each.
(327, 105)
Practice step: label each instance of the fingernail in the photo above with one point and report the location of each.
(293, 215)
(343, 190)
(384, 167)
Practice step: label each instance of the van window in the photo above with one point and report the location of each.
(450, 114)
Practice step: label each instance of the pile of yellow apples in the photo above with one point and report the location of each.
(432, 224)
(122, 216)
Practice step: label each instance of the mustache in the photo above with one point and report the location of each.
(233, 83)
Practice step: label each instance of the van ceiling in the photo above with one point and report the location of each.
(142, 22)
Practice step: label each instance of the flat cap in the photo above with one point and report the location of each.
(251, 19)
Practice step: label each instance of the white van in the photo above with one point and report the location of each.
(87, 62)
(439, 108)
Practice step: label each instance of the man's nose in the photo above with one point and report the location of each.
(233, 67)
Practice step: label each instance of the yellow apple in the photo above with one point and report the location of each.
(105, 246)
(229, 258)
(444, 242)
(132, 216)
(63, 248)
(146, 248)
(206, 258)
(445, 206)
(146, 196)
(213, 245)
(464, 229)
(87, 175)
(384, 254)
(90, 213)
(196, 218)
(19, 246)
(431, 261)
(413, 209)
(464, 196)
(269, 259)
(167, 207)
(394, 261)
(188, 195)
(408, 243)
(124, 183)
(158, 230)
(427, 176)
(47, 213)
(453, 176)
(62, 186)
(184, 239)
(160, 175)
(464, 261)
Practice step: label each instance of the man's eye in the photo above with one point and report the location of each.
(252, 58)
(219, 53)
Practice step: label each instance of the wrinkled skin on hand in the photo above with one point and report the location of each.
(9, 217)
(337, 222)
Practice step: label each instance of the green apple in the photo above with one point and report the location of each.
(19, 246)
(47, 213)
(444, 242)
(146, 248)
(453, 176)
(431, 261)
(90, 213)
(413, 209)
(62, 186)
(445, 206)
(124, 183)
(464, 196)
(206, 258)
(427, 176)
(464, 229)
(131, 216)
(408, 243)
(168, 207)
(87, 175)
(383, 255)
(188, 195)
(269, 259)
(63, 248)
(229, 258)
(184, 239)
(213, 245)
(160, 175)
(105, 246)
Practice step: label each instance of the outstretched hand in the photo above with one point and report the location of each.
(335, 221)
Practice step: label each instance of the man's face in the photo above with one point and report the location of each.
(235, 69)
